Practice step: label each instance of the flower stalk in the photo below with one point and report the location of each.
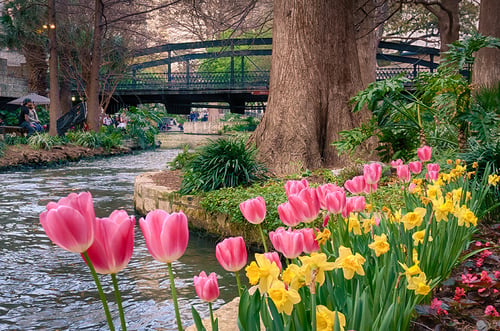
(119, 302)
(99, 289)
(174, 296)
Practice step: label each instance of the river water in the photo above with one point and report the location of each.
(43, 287)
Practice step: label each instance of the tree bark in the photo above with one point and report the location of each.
(93, 105)
(486, 71)
(55, 105)
(314, 72)
(37, 66)
(447, 13)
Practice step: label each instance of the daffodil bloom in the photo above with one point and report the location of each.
(353, 224)
(349, 263)
(458, 171)
(414, 218)
(323, 236)
(434, 191)
(315, 267)
(442, 208)
(380, 245)
(419, 236)
(493, 179)
(368, 223)
(465, 216)
(396, 217)
(474, 165)
(419, 284)
(410, 271)
(283, 299)
(294, 276)
(263, 272)
(325, 319)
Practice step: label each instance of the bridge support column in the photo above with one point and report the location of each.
(237, 105)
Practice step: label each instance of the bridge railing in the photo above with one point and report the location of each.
(411, 73)
(195, 81)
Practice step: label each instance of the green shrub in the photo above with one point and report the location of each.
(12, 139)
(222, 163)
(143, 125)
(109, 137)
(88, 139)
(43, 140)
(182, 159)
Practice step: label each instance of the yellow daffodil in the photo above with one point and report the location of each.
(493, 179)
(368, 223)
(349, 263)
(449, 161)
(283, 299)
(315, 267)
(419, 284)
(465, 216)
(414, 218)
(419, 236)
(323, 236)
(434, 191)
(441, 209)
(353, 224)
(410, 271)
(474, 165)
(325, 319)
(380, 245)
(294, 276)
(458, 171)
(263, 272)
(396, 217)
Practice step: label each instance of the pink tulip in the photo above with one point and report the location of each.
(372, 173)
(396, 163)
(433, 167)
(231, 253)
(415, 167)
(335, 202)
(166, 235)
(356, 185)
(424, 153)
(70, 222)
(412, 187)
(323, 190)
(254, 210)
(325, 221)
(273, 257)
(310, 242)
(288, 242)
(288, 215)
(354, 204)
(432, 175)
(113, 243)
(295, 186)
(306, 204)
(403, 173)
(207, 288)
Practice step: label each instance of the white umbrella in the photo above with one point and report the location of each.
(37, 99)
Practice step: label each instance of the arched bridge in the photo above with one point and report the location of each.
(172, 74)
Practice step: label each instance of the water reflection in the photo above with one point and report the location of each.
(47, 288)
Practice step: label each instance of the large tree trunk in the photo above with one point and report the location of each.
(93, 105)
(486, 71)
(55, 105)
(314, 72)
(447, 13)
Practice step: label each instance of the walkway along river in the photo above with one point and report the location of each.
(43, 287)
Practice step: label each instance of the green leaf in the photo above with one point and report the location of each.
(197, 320)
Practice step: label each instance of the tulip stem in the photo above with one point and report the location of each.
(211, 315)
(99, 289)
(119, 302)
(238, 282)
(263, 237)
(174, 296)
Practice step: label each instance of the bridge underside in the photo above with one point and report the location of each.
(181, 102)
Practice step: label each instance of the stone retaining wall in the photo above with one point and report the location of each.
(149, 196)
(179, 139)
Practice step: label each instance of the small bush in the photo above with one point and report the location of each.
(88, 139)
(222, 163)
(43, 140)
(12, 139)
(182, 159)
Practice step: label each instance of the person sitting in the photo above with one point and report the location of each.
(28, 117)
